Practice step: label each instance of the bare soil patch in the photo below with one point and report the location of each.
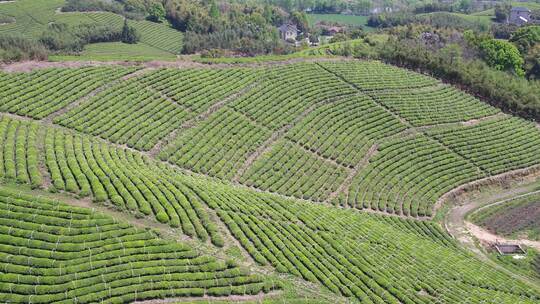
(490, 238)
(512, 219)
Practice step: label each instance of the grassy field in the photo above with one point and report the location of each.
(227, 181)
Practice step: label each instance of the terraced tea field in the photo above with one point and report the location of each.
(31, 19)
(319, 178)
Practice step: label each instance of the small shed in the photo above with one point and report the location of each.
(509, 249)
(288, 31)
(519, 15)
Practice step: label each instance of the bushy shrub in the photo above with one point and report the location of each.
(17, 49)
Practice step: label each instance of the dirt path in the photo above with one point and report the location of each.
(486, 236)
(467, 234)
(28, 66)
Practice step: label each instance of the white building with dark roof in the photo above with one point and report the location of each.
(519, 15)
(288, 31)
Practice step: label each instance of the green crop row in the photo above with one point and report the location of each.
(375, 259)
(344, 130)
(496, 145)
(290, 169)
(374, 75)
(407, 176)
(127, 113)
(54, 253)
(434, 105)
(43, 92)
(218, 146)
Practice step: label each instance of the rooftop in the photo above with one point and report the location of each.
(520, 9)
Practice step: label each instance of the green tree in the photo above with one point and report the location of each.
(502, 55)
(532, 63)
(301, 21)
(502, 11)
(214, 10)
(156, 13)
(526, 37)
(129, 34)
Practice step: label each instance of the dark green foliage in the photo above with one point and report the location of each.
(502, 30)
(300, 19)
(156, 13)
(526, 37)
(502, 12)
(18, 48)
(532, 63)
(61, 37)
(129, 34)
(389, 20)
(242, 28)
(502, 55)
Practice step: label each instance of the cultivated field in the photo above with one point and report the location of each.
(266, 164)
(519, 218)
(33, 17)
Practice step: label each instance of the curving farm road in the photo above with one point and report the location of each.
(467, 233)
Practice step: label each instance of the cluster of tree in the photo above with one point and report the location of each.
(243, 28)
(527, 41)
(520, 54)
(17, 49)
(61, 37)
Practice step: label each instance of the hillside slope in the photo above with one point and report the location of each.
(359, 134)
(200, 149)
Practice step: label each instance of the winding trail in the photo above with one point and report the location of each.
(467, 234)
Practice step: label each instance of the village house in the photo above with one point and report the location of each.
(288, 32)
(519, 15)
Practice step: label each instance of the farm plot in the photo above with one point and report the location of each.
(374, 75)
(496, 145)
(289, 169)
(372, 258)
(40, 93)
(199, 89)
(127, 179)
(519, 218)
(218, 146)
(87, 167)
(344, 130)
(19, 153)
(288, 91)
(127, 113)
(54, 253)
(408, 175)
(434, 105)
(31, 17)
